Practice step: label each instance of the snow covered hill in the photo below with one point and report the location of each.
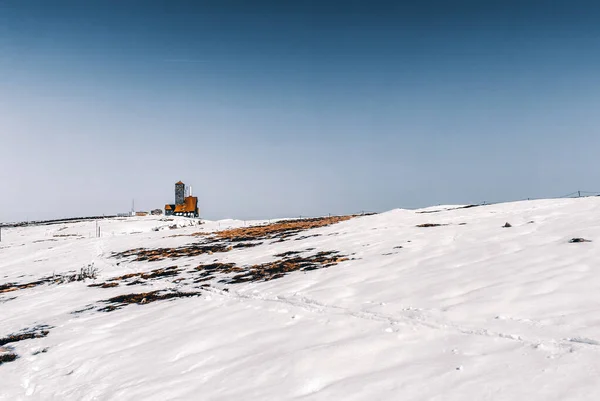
(442, 303)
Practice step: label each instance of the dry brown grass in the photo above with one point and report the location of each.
(227, 240)
(271, 230)
(279, 268)
(10, 287)
(140, 278)
(230, 273)
(104, 285)
(279, 229)
(156, 273)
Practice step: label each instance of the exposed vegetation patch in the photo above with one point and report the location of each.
(247, 245)
(104, 285)
(281, 230)
(152, 255)
(230, 273)
(140, 278)
(4, 358)
(88, 272)
(153, 274)
(217, 266)
(225, 273)
(225, 241)
(144, 298)
(34, 332)
(85, 273)
(279, 268)
(287, 254)
(6, 354)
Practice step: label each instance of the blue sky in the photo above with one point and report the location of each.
(283, 109)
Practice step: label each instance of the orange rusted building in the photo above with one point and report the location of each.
(184, 205)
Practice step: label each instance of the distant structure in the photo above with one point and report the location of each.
(179, 193)
(185, 204)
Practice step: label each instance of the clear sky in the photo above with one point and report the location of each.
(280, 108)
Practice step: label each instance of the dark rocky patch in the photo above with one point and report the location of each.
(577, 240)
(246, 245)
(426, 225)
(89, 307)
(5, 358)
(27, 334)
(41, 351)
(3, 300)
(447, 210)
(153, 255)
(287, 254)
(144, 298)
(306, 237)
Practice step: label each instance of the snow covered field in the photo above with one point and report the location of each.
(467, 310)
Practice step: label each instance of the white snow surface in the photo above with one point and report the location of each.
(468, 311)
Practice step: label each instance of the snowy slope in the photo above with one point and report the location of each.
(465, 310)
